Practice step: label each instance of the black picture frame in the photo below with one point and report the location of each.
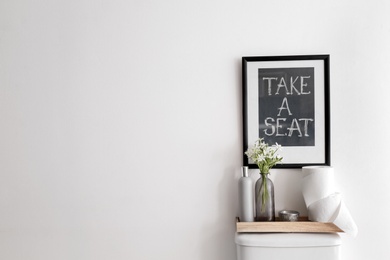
(285, 99)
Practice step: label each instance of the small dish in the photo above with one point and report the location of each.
(288, 215)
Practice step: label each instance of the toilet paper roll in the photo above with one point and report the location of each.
(326, 209)
(317, 183)
(345, 221)
(322, 202)
(307, 170)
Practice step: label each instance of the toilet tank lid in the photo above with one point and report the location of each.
(287, 239)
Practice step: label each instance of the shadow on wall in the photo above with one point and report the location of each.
(218, 242)
(288, 191)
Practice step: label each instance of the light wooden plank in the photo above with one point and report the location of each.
(287, 227)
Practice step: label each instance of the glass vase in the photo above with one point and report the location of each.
(264, 198)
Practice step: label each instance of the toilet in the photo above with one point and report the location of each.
(291, 246)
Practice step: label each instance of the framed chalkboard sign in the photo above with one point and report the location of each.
(286, 101)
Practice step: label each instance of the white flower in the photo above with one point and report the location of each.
(260, 158)
(278, 147)
(263, 155)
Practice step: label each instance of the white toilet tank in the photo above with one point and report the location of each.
(291, 246)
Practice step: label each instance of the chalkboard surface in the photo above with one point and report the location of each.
(286, 106)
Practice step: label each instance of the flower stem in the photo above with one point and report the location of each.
(265, 194)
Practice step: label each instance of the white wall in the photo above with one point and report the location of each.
(121, 122)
